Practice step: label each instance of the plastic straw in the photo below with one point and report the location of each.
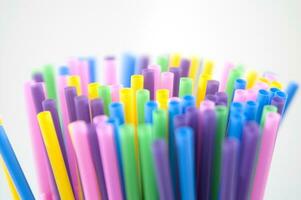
(105, 95)
(262, 100)
(167, 82)
(250, 110)
(126, 98)
(240, 84)
(160, 124)
(146, 139)
(37, 77)
(174, 60)
(176, 80)
(84, 75)
(162, 97)
(150, 107)
(117, 112)
(227, 68)
(82, 108)
(162, 61)
(142, 96)
(55, 155)
(96, 107)
(221, 98)
(93, 90)
(234, 74)
(265, 155)
(185, 87)
(251, 77)
(48, 75)
(149, 81)
(184, 144)
(212, 87)
(201, 91)
(109, 159)
(208, 68)
(137, 83)
(157, 77)
(184, 66)
(110, 71)
(240, 95)
(75, 81)
(127, 69)
(115, 92)
(187, 102)
(291, 91)
(266, 110)
(142, 63)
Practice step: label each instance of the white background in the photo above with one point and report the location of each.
(262, 34)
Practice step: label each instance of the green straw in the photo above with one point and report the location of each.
(146, 139)
(49, 79)
(160, 124)
(221, 117)
(234, 74)
(266, 110)
(185, 87)
(163, 62)
(142, 96)
(105, 94)
(129, 162)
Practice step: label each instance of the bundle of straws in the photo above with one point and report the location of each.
(166, 131)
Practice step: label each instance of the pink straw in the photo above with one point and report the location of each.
(84, 75)
(261, 86)
(110, 71)
(109, 160)
(167, 82)
(227, 68)
(157, 77)
(240, 95)
(251, 95)
(265, 155)
(79, 134)
(115, 92)
(207, 104)
(73, 64)
(100, 119)
(45, 177)
(71, 157)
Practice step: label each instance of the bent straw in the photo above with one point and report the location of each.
(108, 153)
(14, 167)
(55, 155)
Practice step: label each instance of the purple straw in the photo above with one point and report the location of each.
(176, 80)
(149, 81)
(37, 92)
(96, 107)
(70, 94)
(248, 151)
(94, 146)
(162, 169)
(38, 77)
(279, 103)
(221, 98)
(229, 169)
(142, 64)
(209, 127)
(82, 108)
(212, 87)
(184, 66)
(211, 97)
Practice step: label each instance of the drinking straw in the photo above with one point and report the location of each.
(240, 84)
(142, 63)
(208, 68)
(230, 153)
(247, 158)
(291, 91)
(225, 74)
(206, 104)
(109, 159)
(100, 119)
(187, 102)
(82, 108)
(208, 121)
(79, 134)
(92, 68)
(137, 82)
(266, 110)
(235, 126)
(201, 91)
(46, 183)
(115, 92)
(48, 75)
(221, 98)
(160, 124)
(97, 160)
(272, 93)
(211, 97)
(75, 81)
(149, 79)
(162, 97)
(105, 94)
(162, 169)
(70, 94)
(55, 155)
(126, 98)
(265, 155)
(83, 68)
(127, 69)
(37, 77)
(167, 82)
(13, 166)
(146, 139)
(93, 90)
(176, 80)
(174, 60)
(264, 80)
(150, 107)
(233, 75)
(11, 185)
(50, 105)
(251, 77)
(185, 151)
(212, 87)
(194, 68)
(250, 110)
(110, 71)
(142, 96)
(64, 71)
(116, 112)
(184, 66)
(96, 107)
(279, 103)
(185, 87)
(240, 95)
(162, 61)
(276, 84)
(221, 125)
(129, 162)
(262, 100)
(157, 78)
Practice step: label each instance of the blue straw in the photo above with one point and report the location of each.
(188, 101)
(92, 68)
(263, 98)
(185, 144)
(127, 69)
(250, 110)
(116, 112)
(235, 127)
(150, 106)
(273, 92)
(64, 71)
(240, 84)
(291, 91)
(14, 167)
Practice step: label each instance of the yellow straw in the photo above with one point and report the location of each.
(208, 68)
(193, 69)
(55, 155)
(162, 96)
(175, 60)
(126, 98)
(93, 90)
(251, 78)
(276, 84)
(74, 81)
(137, 82)
(264, 80)
(11, 185)
(202, 85)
